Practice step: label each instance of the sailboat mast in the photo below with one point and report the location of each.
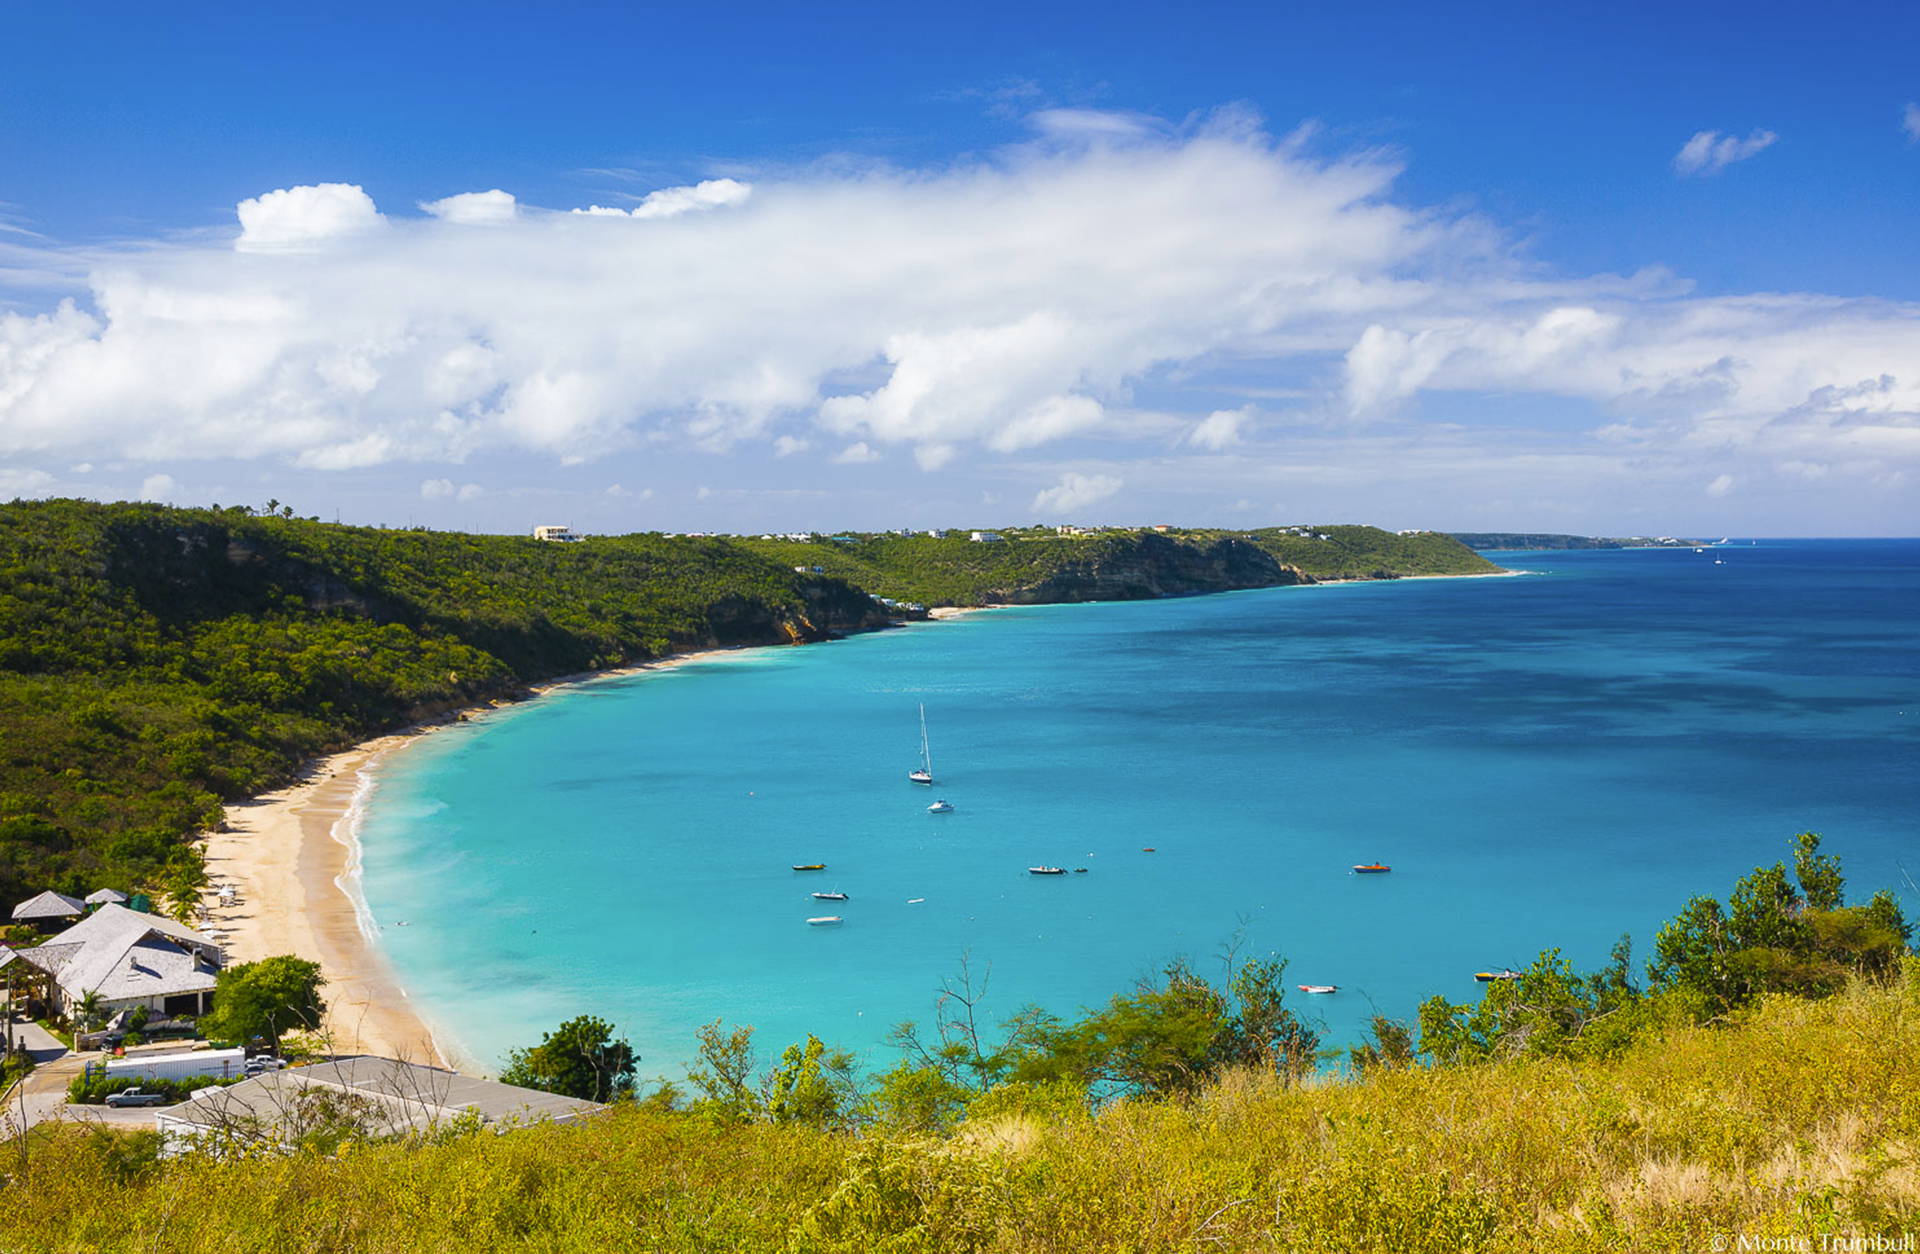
(926, 751)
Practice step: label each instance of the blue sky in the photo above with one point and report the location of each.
(1599, 268)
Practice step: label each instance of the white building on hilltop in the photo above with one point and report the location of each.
(557, 535)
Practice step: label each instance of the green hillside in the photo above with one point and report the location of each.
(1037, 565)
(156, 662)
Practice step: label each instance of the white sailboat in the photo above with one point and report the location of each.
(925, 774)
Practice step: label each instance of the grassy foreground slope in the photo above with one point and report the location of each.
(1792, 1119)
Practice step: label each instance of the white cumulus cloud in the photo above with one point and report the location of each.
(1709, 152)
(974, 310)
(1219, 430)
(1910, 122)
(159, 489)
(299, 218)
(856, 454)
(1074, 492)
(475, 208)
(670, 202)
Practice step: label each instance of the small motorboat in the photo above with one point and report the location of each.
(1148, 849)
(1046, 870)
(914, 901)
(1371, 868)
(1488, 977)
(830, 896)
(1319, 988)
(1079, 870)
(940, 807)
(825, 920)
(809, 866)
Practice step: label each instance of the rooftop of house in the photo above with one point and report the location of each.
(121, 954)
(381, 1095)
(50, 905)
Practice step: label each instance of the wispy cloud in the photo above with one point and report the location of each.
(1910, 122)
(1710, 152)
(1075, 492)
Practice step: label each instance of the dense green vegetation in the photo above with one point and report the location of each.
(1037, 565)
(580, 1058)
(1581, 1114)
(265, 1000)
(155, 663)
(1498, 540)
(83, 1090)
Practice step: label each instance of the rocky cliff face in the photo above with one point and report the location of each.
(829, 608)
(1150, 566)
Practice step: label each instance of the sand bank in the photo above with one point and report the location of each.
(291, 858)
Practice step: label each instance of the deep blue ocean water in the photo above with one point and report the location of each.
(1545, 760)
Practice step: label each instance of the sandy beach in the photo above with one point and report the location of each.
(288, 857)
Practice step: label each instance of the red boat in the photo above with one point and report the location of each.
(1319, 988)
(1372, 868)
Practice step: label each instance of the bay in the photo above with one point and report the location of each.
(1545, 760)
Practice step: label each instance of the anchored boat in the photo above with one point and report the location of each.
(925, 774)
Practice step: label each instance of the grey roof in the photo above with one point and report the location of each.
(122, 954)
(383, 1095)
(49, 905)
(102, 896)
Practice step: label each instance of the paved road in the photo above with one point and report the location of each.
(43, 1094)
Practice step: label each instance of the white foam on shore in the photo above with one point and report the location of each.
(346, 831)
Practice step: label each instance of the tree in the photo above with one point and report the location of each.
(266, 999)
(724, 1072)
(1818, 873)
(88, 1013)
(580, 1058)
(1768, 938)
(812, 1085)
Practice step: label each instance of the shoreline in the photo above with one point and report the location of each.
(292, 857)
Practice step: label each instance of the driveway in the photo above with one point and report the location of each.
(43, 1094)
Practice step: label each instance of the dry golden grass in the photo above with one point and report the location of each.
(1800, 1120)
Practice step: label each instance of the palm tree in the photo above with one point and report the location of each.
(88, 1014)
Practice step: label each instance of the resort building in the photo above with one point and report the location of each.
(557, 535)
(127, 959)
(986, 537)
(361, 1094)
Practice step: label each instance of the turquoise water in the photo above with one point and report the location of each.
(1545, 760)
